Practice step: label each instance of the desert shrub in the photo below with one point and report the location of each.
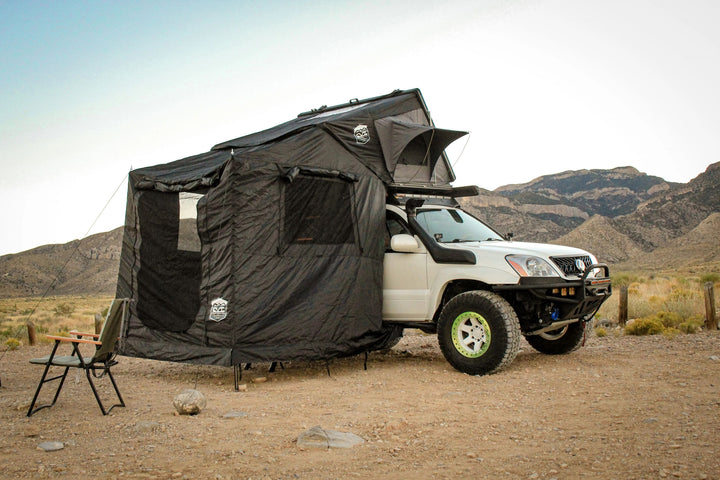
(691, 325)
(601, 332)
(710, 277)
(13, 343)
(60, 330)
(669, 319)
(64, 309)
(684, 302)
(656, 301)
(670, 333)
(681, 294)
(624, 280)
(644, 326)
(639, 307)
(41, 329)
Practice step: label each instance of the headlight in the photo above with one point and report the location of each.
(530, 266)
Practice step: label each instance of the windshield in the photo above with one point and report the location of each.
(451, 226)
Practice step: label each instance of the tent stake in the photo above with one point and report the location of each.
(237, 370)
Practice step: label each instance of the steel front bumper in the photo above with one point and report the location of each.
(572, 298)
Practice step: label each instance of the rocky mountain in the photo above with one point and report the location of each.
(627, 218)
(600, 236)
(697, 249)
(524, 221)
(552, 205)
(87, 266)
(673, 213)
(609, 193)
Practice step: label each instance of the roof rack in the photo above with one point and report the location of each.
(355, 101)
(434, 190)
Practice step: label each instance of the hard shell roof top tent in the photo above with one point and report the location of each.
(269, 247)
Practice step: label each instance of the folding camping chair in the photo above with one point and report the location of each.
(96, 366)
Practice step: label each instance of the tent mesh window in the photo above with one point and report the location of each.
(169, 277)
(318, 211)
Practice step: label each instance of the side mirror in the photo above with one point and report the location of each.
(404, 243)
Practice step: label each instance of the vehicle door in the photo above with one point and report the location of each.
(405, 285)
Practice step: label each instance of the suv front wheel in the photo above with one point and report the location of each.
(478, 332)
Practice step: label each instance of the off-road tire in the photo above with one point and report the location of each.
(568, 342)
(478, 332)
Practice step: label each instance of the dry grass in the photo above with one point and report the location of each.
(676, 302)
(50, 315)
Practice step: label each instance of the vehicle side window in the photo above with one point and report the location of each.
(394, 225)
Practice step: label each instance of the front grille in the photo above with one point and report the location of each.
(567, 264)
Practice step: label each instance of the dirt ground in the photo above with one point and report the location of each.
(621, 407)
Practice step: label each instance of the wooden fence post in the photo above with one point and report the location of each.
(98, 323)
(32, 337)
(623, 309)
(711, 322)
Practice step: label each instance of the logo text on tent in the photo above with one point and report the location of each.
(218, 309)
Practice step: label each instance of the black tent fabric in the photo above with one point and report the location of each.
(270, 246)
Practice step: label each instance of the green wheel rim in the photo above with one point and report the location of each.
(471, 334)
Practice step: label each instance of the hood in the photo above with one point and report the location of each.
(522, 248)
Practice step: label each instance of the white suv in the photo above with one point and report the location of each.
(447, 272)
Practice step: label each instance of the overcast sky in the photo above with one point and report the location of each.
(89, 90)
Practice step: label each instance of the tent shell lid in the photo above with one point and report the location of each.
(322, 115)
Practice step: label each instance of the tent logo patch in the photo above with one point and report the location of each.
(362, 134)
(218, 309)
